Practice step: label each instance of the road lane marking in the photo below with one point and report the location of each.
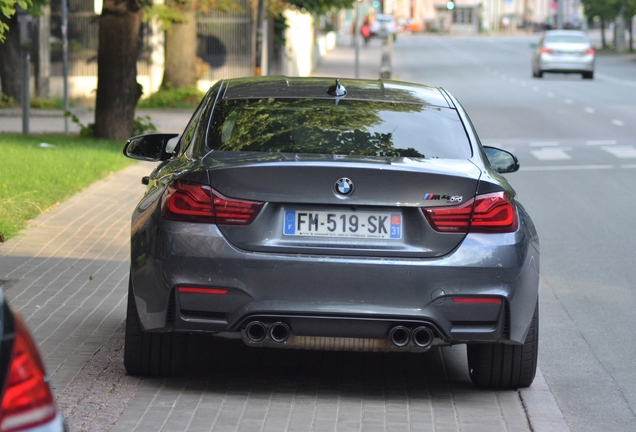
(622, 152)
(618, 122)
(567, 167)
(544, 144)
(552, 153)
(589, 110)
(569, 101)
(550, 94)
(600, 142)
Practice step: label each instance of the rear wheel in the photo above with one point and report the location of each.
(150, 354)
(499, 366)
(588, 75)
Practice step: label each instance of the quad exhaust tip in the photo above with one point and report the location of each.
(279, 332)
(400, 336)
(422, 337)
(256, 331)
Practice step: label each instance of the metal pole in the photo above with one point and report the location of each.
(65, 62)
(355, 40)
(260, 14)
(560, 14)
(24, 23)
(26, 90)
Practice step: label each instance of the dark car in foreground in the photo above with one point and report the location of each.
(315, 213)
(564, 51)
(27, 401)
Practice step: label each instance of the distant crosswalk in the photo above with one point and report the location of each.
(571, 150)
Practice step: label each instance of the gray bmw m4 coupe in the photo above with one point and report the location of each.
(325, 214)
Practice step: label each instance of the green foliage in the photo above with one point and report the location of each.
(142, 125)
(321, 6)
(40, 171)
(40, 103)
(173, 97)
(280, 27)
(8, 9)
(606, 10)
(171, 11)
(5, 101)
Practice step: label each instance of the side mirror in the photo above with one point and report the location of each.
(502, 161)
(150, 147)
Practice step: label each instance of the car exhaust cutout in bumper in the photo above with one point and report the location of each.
(422, 337)
(279, 332)
(256, 331)
(400, 336)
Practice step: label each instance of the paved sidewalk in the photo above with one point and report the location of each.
(67, 274)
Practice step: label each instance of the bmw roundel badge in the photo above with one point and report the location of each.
(344, 186)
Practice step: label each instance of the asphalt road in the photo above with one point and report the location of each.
(576, 142)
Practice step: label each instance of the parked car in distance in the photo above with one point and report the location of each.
(325, 214)
(409, 25)
(564, 51)
(27, 401)
(384, 26)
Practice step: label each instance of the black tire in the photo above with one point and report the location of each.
(149, 353)
(502, 367)
(588, 75)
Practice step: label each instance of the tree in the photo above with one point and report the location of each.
(605, 10)
(178, 19)
(629, 11)
(10, 49)
(7, 12)
(117, 88)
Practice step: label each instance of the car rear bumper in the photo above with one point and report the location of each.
(558, 65)
(334, 296)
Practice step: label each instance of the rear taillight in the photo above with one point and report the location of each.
(589, 51)
(545, 50)
(191, 202)
(490, 213)
(27, 400)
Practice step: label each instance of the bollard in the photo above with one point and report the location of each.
(385, 64)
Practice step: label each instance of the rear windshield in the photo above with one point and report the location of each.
(340, 127)
(573, 39)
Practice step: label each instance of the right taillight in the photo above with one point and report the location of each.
(27, 400)
(489, 213)
(192, 202)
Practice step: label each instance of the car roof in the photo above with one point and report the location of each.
(566, 32)
(317, 87)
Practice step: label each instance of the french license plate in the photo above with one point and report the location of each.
(376, 225)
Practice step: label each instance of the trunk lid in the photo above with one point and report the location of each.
(379, 216)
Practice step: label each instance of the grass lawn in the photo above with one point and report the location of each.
(39, 171)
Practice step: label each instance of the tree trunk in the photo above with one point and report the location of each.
(11, 60)
(181, 52)
(117, 88)
(603, 44)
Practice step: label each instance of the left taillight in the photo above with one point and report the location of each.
(27, 401)
(489, 213)
(192, 202)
